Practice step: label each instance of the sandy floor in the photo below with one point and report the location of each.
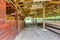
(35, 33)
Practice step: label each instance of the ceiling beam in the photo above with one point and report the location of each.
(54, 2)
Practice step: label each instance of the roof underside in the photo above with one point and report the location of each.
(34, 8)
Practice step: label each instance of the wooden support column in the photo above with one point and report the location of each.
(43, 17)
(32, 20)
(16, 18)
(44, 27)
(2, 10)
(20, 22)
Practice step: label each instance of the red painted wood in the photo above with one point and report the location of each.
(8, 30)
(20, 25)
(7, 25)
(2, 4)
(2, 10)
(10, 5)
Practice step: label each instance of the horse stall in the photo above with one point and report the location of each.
(9, 29)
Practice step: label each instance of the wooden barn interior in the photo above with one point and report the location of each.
(29, 19)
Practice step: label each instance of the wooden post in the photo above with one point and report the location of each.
(2, 10)
(16, 18)
(43, 17)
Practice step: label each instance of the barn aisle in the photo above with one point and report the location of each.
(35, 33)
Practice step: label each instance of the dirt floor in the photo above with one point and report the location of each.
(35, 33)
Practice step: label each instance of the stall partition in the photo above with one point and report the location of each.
(8, 29)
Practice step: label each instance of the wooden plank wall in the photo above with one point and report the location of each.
(2, 10)
(8, 30)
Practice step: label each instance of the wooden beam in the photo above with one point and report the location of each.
(18, 8)
(43, 17)
(54, 2)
